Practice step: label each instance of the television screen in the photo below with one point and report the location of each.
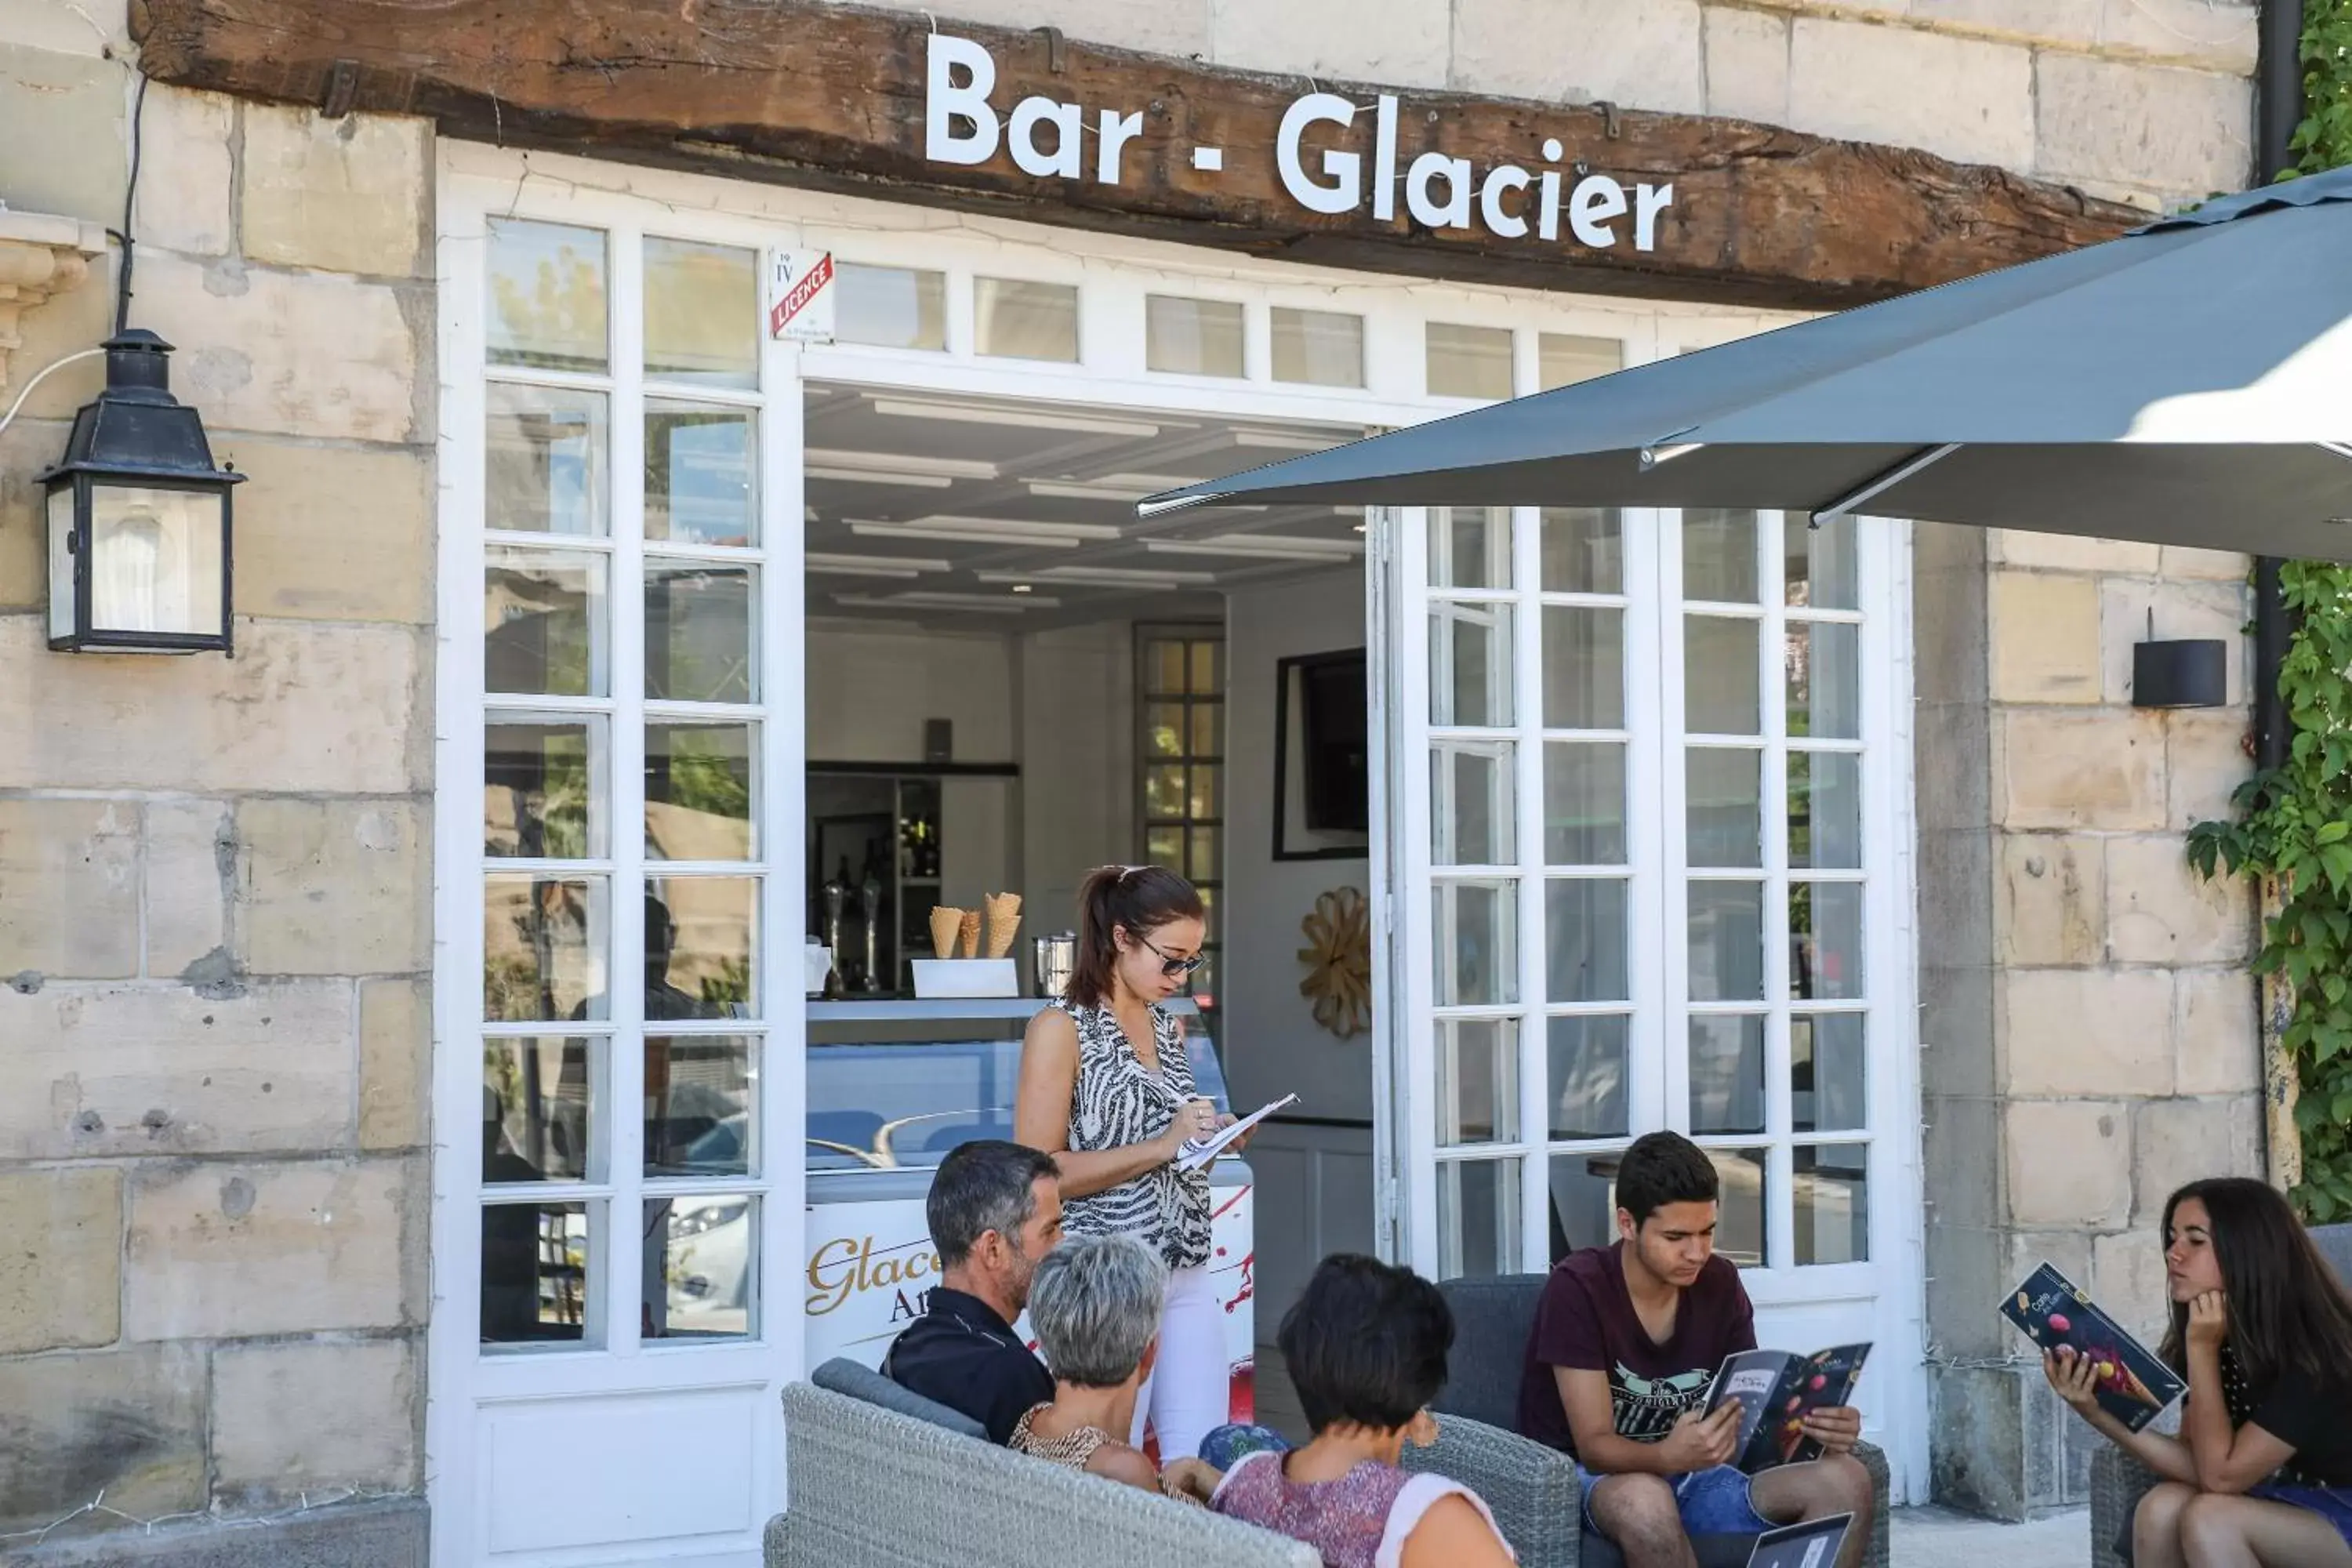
(1335, 743)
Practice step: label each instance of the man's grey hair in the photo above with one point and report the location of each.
(1095, 1304)
(986, 1184)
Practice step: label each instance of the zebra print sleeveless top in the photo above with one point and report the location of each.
(1115, 1101)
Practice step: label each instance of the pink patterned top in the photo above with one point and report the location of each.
(1360, 1521)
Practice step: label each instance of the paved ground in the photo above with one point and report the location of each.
(1931, 1538)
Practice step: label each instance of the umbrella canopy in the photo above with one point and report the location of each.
(2190, 382)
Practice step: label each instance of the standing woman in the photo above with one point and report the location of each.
(2261, 1476)
(1107, 1090)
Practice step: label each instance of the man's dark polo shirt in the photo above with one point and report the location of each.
(962, 1355)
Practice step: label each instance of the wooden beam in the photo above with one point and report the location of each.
(833, 97)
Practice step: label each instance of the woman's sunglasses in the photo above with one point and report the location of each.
(1172, 967)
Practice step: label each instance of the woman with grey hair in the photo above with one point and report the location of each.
(1095, 1305)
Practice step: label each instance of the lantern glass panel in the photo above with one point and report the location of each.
(155, 561)
(62, 563)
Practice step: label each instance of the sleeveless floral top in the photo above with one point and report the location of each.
(1360, 1521)
(1115, 1101)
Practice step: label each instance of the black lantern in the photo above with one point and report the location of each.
(138, 517)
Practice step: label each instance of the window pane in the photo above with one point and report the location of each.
(1208, 729)
(1470, 665)
(1205, 668)
(540, 1109)
(701, 936)
(1478, 1080)
(1826, 941)
(1723, 805)
(543, 460)
(702, 1274)
(1720, 556)
(1163, 667)
(543, 620)
(702, 314)
(1583, 1202)
(1207, 800)
(1192, 337)
(1824, 671)
(1727, 1075)
(1828, 1072)
(1583, 668)
(1020, 320)
(1584, 927)
(1469, 547)
(1471, 803)
(1163, 729)
(1469, 361)
(1562, 360)
(701, 1103)
(1165, 847)
(1825, 810)
(1583, 550)
(1203, 860)
(543, 949)
(547, 296)
(1587, 1086)
(1727, 942)
(1739, 1233)
(701, 474)
(1721, 674)
(1163, 791)
(1833, 1203)
(1476, 943)
(535, 1263)
(699, 633)
(1584, 803)
(890, 307)
(539, 785)
(1478, 1218)
(1820, 570)
(699, 788)
(1317, 348)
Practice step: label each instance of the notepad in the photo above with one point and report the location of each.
(1201, 1152)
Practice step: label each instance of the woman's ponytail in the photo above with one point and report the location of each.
(1138, 899)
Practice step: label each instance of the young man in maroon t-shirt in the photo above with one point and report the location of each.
(1627, 1339)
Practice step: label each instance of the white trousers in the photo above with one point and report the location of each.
(1190, 1391)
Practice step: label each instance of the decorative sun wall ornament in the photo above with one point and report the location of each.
(1338, 959)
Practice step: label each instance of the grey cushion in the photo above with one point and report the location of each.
(1492, 1319)
(848, 1378)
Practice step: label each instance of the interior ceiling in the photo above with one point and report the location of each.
(1008, 515)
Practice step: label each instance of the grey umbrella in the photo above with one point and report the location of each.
(2190, 382)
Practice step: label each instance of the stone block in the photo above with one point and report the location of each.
(2053, 769)
(1979, 1460)
(2045, 637)
(127, 1423)
(2217, 1031)
(27, 448)
(2176, 1142)
(2127, 1278)
(333, 533)
(1581, 51)
(1952, 765)
(65, 151)
(2070, 552)
(91, 27)
(301, 707)
(273, 1437)
(1963, 1186)
(2068, 1162)
(2214, 610)
(1157, 26)
(2086, 1031)
(1958, 1008)
(1397, 43)
(187, 174)
(227, 1251)
(352, 195)
(1962, 98)
(2053, 900)
(2182, 563)
(2159, 910)
(333, 886)
(2187, 32)
(296, 353)
(1955, 896)
(70, 889)
(65, 323)
(2207, 754)
(395, 1063)
(191, 854)
(60, 1259)
(2191, 126)
(2068, 1251)
(1746, 65)
(153, 1070)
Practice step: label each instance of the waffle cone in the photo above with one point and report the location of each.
(946, 924)
(968, 935)
(1002, 929)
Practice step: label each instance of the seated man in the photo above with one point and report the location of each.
(1626, 1340)
(994, 1209)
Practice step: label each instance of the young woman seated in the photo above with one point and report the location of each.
(2261, 1475)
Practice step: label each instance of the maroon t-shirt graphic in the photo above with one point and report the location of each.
(1586, 1322)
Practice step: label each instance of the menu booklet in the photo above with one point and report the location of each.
(2134, 1386)
(1777, 1391)
(1813, 1544)
(1201, 1152)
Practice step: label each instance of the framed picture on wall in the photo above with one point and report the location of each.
(1322, 757)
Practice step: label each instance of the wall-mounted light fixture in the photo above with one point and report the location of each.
(2192, 672)
(138, 517)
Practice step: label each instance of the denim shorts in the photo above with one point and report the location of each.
(2332, 1504)
(1711, 1502)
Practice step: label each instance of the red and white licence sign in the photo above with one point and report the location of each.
(800, 295)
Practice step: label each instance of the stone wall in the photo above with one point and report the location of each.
(215, 874)
(2143, 100)
(2088, 1032)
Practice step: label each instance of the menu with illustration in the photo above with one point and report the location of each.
(1777, 1390)
(2134, 1386)
(1811, 1545)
